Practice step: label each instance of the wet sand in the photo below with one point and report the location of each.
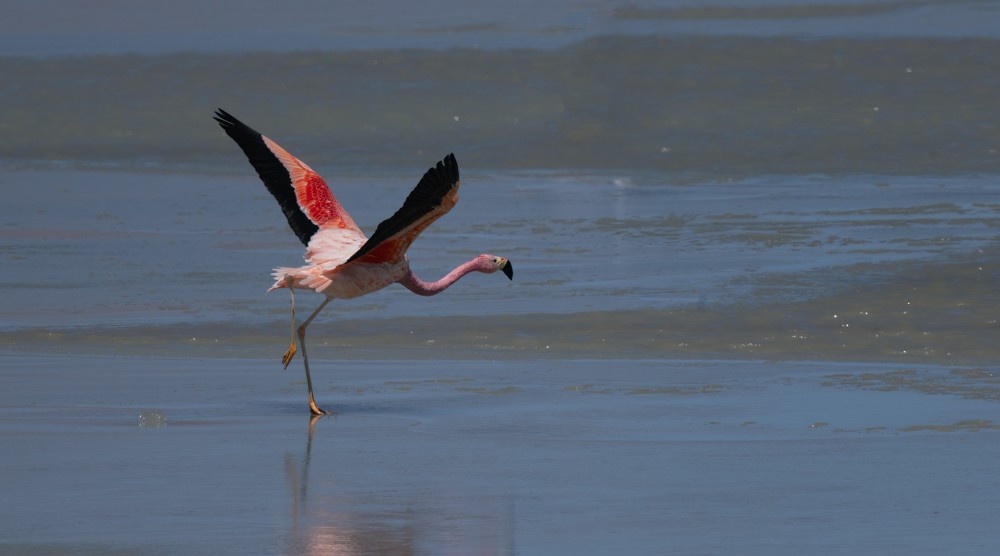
(196, 456)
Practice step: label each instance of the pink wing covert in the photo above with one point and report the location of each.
(311, 192)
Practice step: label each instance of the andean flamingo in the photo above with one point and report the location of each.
(341, 262)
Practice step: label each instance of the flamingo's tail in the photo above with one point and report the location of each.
(306, 277)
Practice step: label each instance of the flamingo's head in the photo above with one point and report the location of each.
(491, 263)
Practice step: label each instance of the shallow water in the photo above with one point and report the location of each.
(515, 457)
(868, 268)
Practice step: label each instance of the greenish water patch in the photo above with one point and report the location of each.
(490, 391)
(704, 105)
(776, 11)
(972, 425)
(676, 390)
(973, 384)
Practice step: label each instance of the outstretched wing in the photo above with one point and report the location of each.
(302, 194)
(433, 196)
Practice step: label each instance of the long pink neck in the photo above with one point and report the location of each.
(419, 287)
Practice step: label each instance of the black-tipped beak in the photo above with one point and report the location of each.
(508, 270)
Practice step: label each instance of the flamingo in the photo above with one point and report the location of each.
(342, 263)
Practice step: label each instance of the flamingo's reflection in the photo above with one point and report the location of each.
(300, 486)
(332, 526)
(325, 528)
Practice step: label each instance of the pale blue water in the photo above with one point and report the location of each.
(756, 278)
(460, 457)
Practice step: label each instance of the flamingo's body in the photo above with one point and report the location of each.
(342, 263)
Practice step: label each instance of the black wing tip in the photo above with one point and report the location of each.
(225, 119)
(447, 166)
(425, 197)
(230, 124)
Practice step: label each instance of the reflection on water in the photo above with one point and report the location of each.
(320, 527)
(344, 519)
(298, 476)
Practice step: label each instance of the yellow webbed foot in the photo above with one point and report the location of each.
(289, 355)
(315, 409)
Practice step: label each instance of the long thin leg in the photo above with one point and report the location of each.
(305, 358)
(290, 353)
